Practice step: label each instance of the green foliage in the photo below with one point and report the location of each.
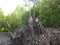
(3, 26)
(18, 18)
(48, 11)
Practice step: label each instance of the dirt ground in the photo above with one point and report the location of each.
(50, 36)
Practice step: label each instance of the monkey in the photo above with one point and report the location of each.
(37, 27)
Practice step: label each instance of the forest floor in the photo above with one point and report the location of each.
(53, 33)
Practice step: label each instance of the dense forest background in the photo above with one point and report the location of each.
(48, 12)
